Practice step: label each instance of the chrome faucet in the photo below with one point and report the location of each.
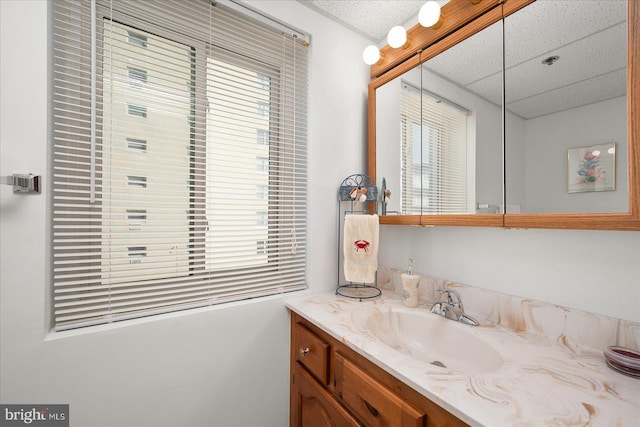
(452, 308)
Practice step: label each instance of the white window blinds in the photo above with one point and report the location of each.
(184, 185)
(434, 148)
(411, 170)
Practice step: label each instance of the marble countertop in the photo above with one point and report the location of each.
(541, 382)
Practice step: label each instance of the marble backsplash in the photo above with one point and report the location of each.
(569, 327)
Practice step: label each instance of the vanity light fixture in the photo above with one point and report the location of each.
(430, 15)
(397, 37)
(372, 55)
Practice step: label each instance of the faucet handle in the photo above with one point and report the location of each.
(450, 294)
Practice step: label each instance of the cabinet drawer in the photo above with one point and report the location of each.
(312, 352)
(373, 403)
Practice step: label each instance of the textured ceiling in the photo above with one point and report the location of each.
(370, 18)
(588, 35)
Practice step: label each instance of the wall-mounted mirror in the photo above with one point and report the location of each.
(439, 137)
(568, 126)
(566, 92)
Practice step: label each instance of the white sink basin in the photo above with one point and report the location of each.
(430, 338)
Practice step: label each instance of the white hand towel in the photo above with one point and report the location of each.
(360, 248)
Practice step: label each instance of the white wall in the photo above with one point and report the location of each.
(337, 126)
(224, 366)
(595, 271)
(547, 140)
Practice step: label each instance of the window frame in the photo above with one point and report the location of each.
(201, 52)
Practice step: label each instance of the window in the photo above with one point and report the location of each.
(137, 110)
(137, 39)
(262, 137)
(263, 110)
(263, 82)
(136, 181)
(262, 164)
(434, 149)
(262, 218)
(170, 203)
(136, 217)
(135, 144)
(262, 192)
(137, 78)
(136, 254)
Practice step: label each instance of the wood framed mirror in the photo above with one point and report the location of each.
(463, 21)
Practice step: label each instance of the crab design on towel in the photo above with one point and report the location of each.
(361, 244)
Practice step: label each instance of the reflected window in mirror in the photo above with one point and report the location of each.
(435, 147)
(411, 149)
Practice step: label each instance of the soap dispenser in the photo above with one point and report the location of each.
(410, 286)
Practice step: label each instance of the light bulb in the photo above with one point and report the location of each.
(397, 36)
(429, 14)
(371, 55)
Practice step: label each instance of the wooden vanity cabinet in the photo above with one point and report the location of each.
(332, 385)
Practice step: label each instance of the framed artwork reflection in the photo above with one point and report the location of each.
(591, 168)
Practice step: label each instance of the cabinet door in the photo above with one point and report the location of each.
(370, 401)
(313, 406)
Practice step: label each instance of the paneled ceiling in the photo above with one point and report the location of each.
(589, 36)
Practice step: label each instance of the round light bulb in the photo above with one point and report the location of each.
(371, 55)
(397, 36)
(429, 14)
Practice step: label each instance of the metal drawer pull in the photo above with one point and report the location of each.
(371, 409)
(304, 351)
